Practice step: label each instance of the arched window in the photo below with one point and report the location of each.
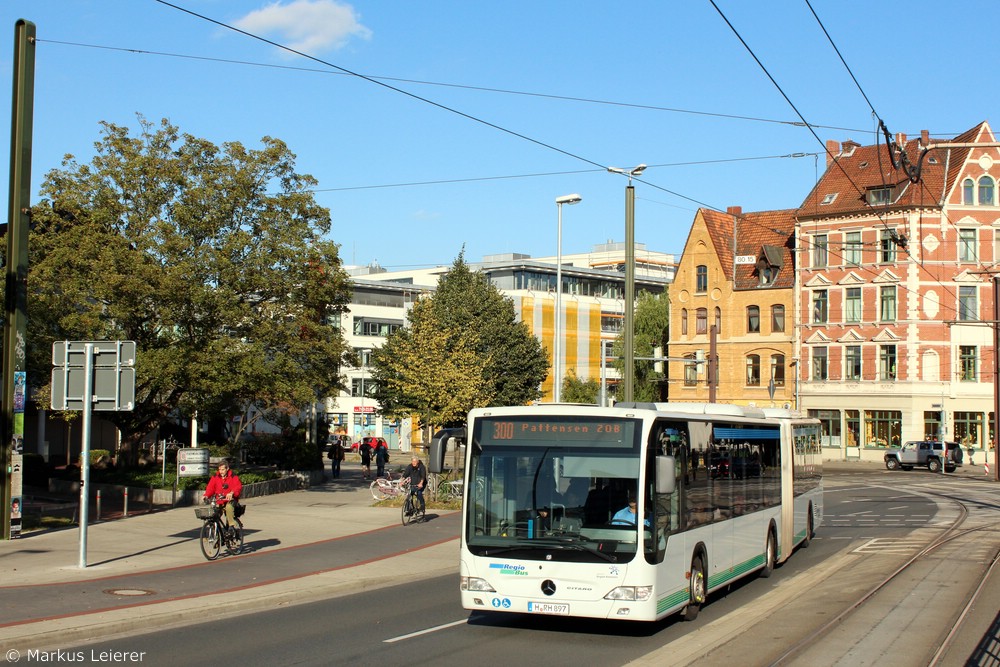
(968, 192)
(718, 320)
(753, 319)
(986, 191)
(701, 326)
(684, 321)
(778, 369)
(753, 370)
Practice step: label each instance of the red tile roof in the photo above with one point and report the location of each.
(753, 232)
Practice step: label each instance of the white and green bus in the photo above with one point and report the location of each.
(632, 512)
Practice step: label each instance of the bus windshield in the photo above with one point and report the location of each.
(554, 487)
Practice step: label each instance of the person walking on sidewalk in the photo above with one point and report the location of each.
(381, 457)
(336, 458)
(225, 487)
(366, 458)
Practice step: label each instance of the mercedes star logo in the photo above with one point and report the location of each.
(549, 587)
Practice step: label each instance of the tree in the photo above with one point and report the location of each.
(652, 321)
(462, 348)
(212, 259)
(576, 390)
(425, 370)
(514, 361)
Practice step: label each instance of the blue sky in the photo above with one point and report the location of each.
(410, 181)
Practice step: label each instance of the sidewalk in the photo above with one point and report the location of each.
(334, 530)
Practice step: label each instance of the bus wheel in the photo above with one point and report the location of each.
(696, 590)
(770, 555)
(809, 529)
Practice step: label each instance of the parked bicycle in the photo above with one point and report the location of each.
(386, 487)
(412, 512)
(215, 533)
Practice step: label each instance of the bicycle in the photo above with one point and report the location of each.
(386, 487)
(215, 533)
(412, 512)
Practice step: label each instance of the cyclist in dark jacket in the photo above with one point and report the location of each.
(416, 473)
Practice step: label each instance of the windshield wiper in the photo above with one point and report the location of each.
(572, 543)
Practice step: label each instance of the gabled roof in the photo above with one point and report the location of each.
(857, 169)
(769, 235)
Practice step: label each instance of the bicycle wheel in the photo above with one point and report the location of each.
(408, 510)
(234, 543)
(378, 489)
(211, 539)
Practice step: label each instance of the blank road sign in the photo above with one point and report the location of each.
(113, 389)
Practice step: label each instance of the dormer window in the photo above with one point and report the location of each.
(880, 196)
(769, 263)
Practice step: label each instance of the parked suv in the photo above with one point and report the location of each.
(930, 453)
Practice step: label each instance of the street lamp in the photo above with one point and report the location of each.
(557, 339)
(628, 354)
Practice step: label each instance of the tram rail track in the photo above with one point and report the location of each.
(948, 536)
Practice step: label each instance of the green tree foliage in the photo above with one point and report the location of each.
(652, 321)
(211, 258)
(462, 348)
(426, 370)
(576, 390)
(514, 362)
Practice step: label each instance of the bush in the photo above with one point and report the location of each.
(287, 454)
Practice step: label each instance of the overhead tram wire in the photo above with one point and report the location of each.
(485, 89)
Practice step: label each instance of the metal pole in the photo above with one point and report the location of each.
(604, 377)
(557, 338)
(88, 399)
(16, 293)
(629, 351)
(996, 378)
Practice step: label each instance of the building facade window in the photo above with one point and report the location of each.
(701, 321)
(986, 195)
(887, 247)
(967, 363)
(887, 303)
(887, 362)
(884, 427)
(852, 304)
(362, 387)
(967, 245)
(820, 369)
(684, 321)
(369, 327)
(968, 310)
(932, 425)
(690, 371)
(852, 248)
(753, 370)
(820, 251)
(753, 319)
(829, 426)
(820, 305)
(852, 362)
(778, 369)
(777, 318)
(968, 192)
(969, 425)
(880, 196)
(718, 320)
(852, 422)
(701, 279)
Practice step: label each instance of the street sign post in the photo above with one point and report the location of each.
(87, 376)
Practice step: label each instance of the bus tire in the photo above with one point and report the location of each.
(696, 590)
(770, 555)
(809, 529)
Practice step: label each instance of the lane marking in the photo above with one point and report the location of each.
(424, 632)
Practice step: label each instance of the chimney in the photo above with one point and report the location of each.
(925, 137)
(832, 148)
(735, 211)
(900, 139)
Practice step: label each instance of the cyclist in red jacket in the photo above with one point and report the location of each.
(227, 486)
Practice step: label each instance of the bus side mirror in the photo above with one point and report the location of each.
(439, 446)
(666, 475)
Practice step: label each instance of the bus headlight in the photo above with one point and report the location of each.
(475, 584)
(635, 593)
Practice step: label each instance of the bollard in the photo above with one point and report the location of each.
(150, 499)
(125, 510)
(98, 504)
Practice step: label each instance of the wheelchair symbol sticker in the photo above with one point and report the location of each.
(500, 602)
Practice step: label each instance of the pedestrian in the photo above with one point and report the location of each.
(381, 457)
(336, 457)
(366, 459)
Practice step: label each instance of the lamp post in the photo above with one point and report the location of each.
(628, 353)
(557, 338)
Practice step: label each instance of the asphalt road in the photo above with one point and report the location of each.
(873, 523)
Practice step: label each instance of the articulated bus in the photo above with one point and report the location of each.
(633, 512)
